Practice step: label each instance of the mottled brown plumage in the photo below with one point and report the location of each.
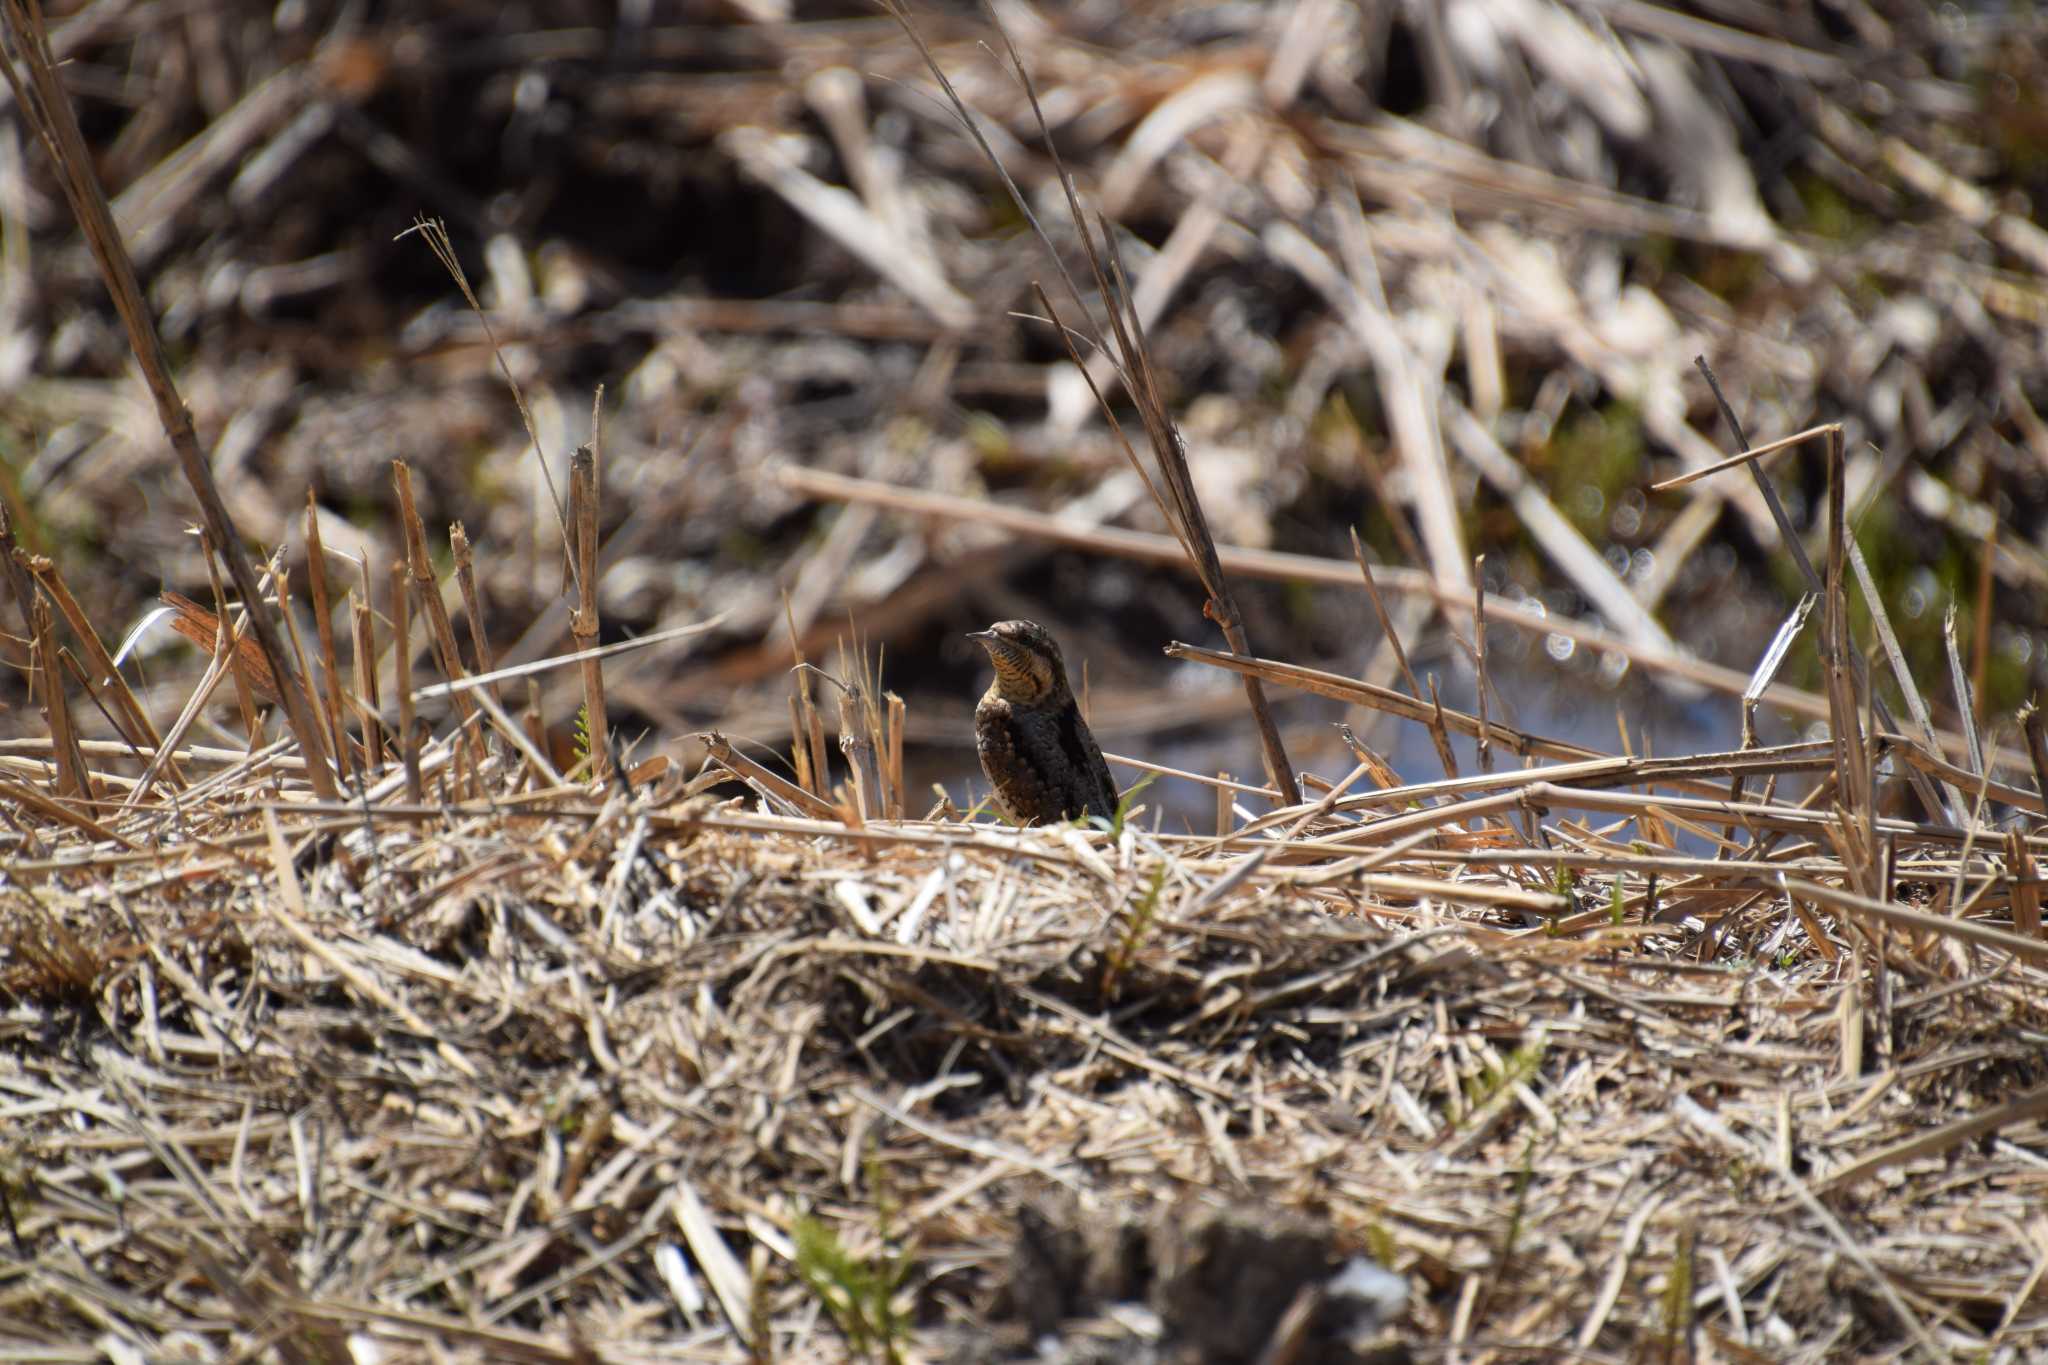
(1034, 746)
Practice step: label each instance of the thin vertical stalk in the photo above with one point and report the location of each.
(583, 624)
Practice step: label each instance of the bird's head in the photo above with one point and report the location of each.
(1028, 664)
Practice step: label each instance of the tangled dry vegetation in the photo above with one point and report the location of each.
(409, 1022)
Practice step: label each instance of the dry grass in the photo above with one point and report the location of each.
(443, 1036)
(465, 1073)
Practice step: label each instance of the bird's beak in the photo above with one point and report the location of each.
(983, 635)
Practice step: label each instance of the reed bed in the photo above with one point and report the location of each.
(533, 1072)
(395, 1018)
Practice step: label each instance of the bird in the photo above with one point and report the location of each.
(1034, 747)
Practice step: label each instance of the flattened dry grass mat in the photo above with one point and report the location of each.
(554, 1075)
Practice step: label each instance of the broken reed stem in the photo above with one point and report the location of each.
(439, 629)
(401, 628)
(1433, 717)
(814, 724)
(330, 665)
(768, 783)
(12, 558)
(282, 577)
(1760, 679)
(2036, 732)
(1922, 788)
(1966, 711)
(127, 716)
(472, 606)
(893, 772)
(41, 97)
(1479, 658)
(363, 646)
(863, 730)
(1382, 773)
(1909, 691)
(858, 748)
(799, 744)
(1845, 719)
(71, 769)
(1171, 454)
(583, 623)
(93, 689)
(2026, 886)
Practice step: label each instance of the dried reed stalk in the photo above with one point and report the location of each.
(1797, 548)
(808, 725)
(401, 632)
(49, 687)
(583, 622)
(892, 768)
(330, 664)
(1284, 566)
(1178, 503)
(1437, 735)
(31, 71)
(862, 763)
(799, 744)
(440, 630)
(127, 716)
(2026, 886)
(1852, 751)
(13, 558)
(1479, 660)
(472, 606)
(2036, 732)
(1340, 688)
(363, 637)
(1959, 681)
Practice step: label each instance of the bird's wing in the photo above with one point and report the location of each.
(1086, 759)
